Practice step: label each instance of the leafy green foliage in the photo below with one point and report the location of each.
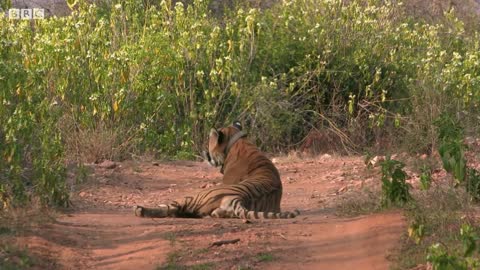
(473, 184)
(416, 231)
(425, 178)
(395, 189)
(451, 149)
(13, 258)
(71, 3)
(442, 259)
(435, 216)
(5, 4)
(451, 146)
(469, 240)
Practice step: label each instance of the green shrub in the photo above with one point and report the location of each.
(451, 147)
(425, 178)
(451, 150)
(443, 259)
(156, 78)
(395, 189)
(473, 183)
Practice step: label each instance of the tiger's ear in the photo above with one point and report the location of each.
(213, 133)
(217, 135)
(237, 124)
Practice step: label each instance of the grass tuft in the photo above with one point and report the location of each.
(265, 257)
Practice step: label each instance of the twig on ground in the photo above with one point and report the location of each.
(155, 221)
(224, 242)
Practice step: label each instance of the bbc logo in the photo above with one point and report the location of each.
(26, 13)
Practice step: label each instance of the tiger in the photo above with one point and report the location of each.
(251, 188)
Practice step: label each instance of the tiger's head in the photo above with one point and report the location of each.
(220, 141)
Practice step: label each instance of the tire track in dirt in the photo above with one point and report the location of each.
(100, 241)
(354, 243)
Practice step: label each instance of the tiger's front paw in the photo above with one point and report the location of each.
(206, 156)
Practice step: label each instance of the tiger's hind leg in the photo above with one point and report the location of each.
(225, 210)
(164, 210)
(219, 213)
(222, 213)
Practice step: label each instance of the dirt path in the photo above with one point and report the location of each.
(102, 233)
(358, 243)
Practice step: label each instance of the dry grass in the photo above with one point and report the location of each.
(354, 203)
(431, 11)
(442, 210)
(97, 143)
(15, 222)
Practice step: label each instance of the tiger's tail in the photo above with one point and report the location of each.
(244, 213)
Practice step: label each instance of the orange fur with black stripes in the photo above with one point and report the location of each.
(252, 187)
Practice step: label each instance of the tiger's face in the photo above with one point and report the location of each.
(217, 143)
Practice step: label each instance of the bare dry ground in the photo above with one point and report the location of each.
(101, 232)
